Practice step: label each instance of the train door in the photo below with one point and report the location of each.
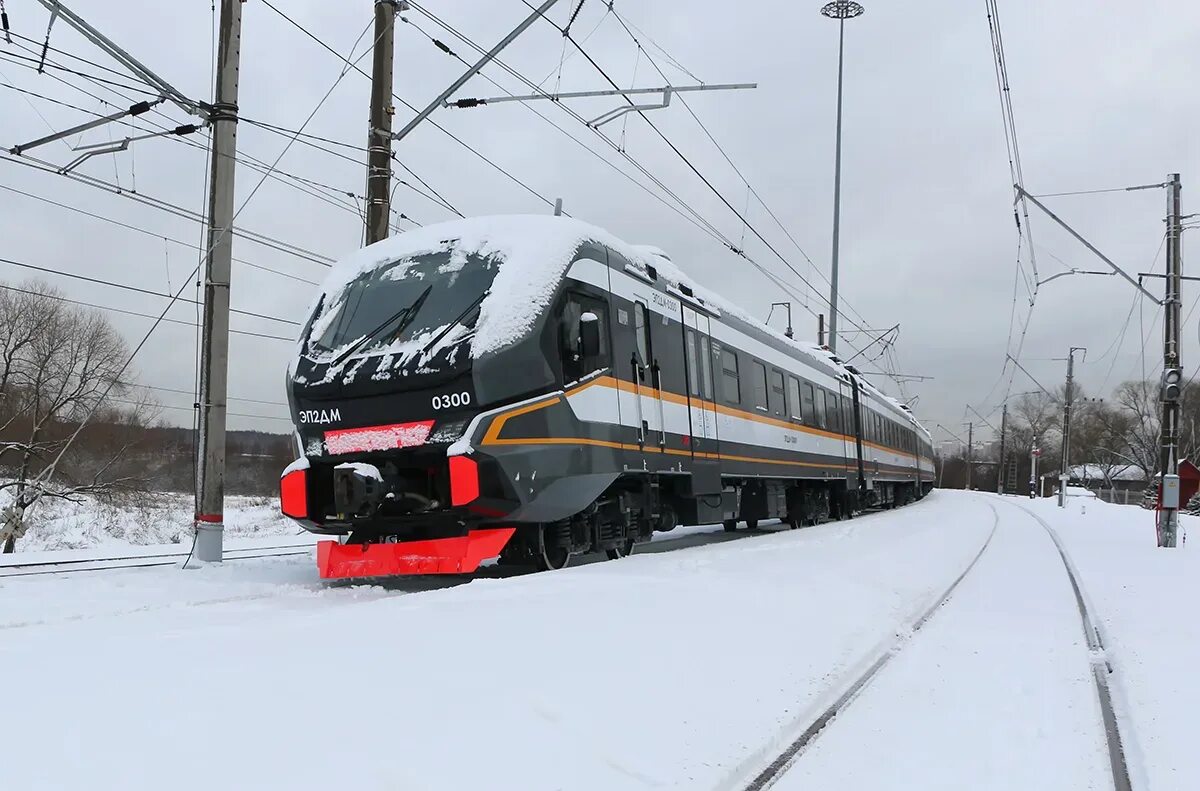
(702, 412)
(644, 373)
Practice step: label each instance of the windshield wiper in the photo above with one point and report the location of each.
(404, 315)
(475, 303)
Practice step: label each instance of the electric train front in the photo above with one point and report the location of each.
(381, 386)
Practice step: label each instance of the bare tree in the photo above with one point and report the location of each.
(1138, 402)
(58, 363)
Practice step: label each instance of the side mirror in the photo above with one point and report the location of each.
(589, 334)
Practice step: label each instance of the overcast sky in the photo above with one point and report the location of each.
(1103, 93)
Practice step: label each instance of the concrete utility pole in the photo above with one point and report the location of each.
(1000, 470)
(1168, 513)
(841, 10)
(214, 353)
(1034, 453)
(379, 136)
(473, 70)
(1065, 473)
(970, 451)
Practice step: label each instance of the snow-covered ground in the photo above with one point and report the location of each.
(142, 519)
(683, 668)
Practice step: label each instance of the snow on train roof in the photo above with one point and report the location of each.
(533, 253)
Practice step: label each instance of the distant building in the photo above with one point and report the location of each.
(1124, 477)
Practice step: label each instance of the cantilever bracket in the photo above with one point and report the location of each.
(617, 112)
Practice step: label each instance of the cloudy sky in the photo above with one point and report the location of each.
(1103, 94)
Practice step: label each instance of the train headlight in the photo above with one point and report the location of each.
(293, 494)
(464, 480)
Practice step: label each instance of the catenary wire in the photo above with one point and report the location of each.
(110, 309)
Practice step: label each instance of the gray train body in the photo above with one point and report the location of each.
(598, 400)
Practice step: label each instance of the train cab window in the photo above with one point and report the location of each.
(731, 387)
(819, 409)
(832, 413)
(793, 399)
(777, 396)
(810, 406)
(706, 380)
(575, 364)
(759, 381)
(693, 370)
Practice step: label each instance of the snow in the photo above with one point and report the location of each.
(1142, 596)
(153, 518)
(966, 705)
(683, 668)
(1079, 491)
(533, 250)
(1099, 472)
(297, 465)
(663, 669)
(363, 469)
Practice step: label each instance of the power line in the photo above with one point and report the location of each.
(192, 393)
(148, 232)
(170, 208)
(109, 309)
(696, 219)
(400, 99)
(683, 157)
(770, 212)
(135, 289)
(192, 409)
(304, 185)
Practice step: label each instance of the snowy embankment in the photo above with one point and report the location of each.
(668, 669)
(140, 519)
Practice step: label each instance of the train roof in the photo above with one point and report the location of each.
(534, 252)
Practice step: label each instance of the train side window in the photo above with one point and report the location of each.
(705, 368)
(729, 377)
(778, 398)
(760, 384)
(693, 371)
(847, 415)
(810, 407)
(832, 413)
(642, 330)
(793, 396)
(819, 411)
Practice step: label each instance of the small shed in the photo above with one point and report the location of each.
(1189, 482)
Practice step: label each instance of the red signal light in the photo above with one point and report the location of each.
(464, 480)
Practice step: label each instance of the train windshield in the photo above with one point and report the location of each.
(413, 299)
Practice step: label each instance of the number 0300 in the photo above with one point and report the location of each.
(451, 400)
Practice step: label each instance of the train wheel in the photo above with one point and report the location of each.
(730, 525)
(751, 524)
(551, 558)
(620, 551)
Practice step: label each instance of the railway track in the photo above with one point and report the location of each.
(781, 760)
(74, 566)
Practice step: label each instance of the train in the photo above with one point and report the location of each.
(532, 388)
